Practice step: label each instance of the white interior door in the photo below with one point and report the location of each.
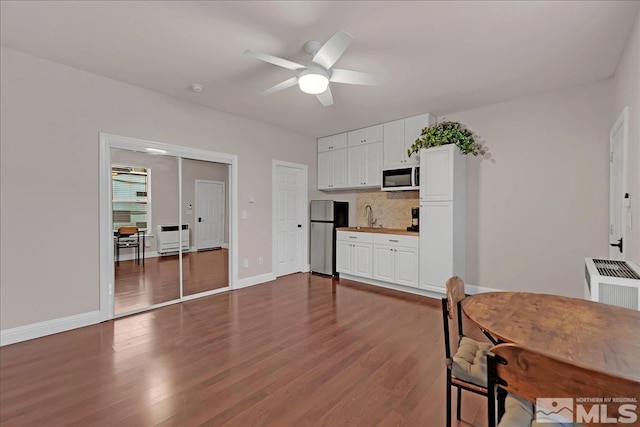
(618, 197)
(290, 219)
(209, 229)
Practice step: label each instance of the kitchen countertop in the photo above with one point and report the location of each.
(379, 230)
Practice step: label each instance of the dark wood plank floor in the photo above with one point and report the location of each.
(158, 280)
(303, 350)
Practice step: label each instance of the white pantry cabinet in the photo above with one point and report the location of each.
(366, 135)
(354, 253)
(399, 135)
(365, 165)
(443, 225)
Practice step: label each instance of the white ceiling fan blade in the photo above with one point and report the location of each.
(325, 98)
(356, 77)
(280, 86)
(280, 62)
(333, 49)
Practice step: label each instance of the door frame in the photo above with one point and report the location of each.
(195, 204)
(106, 255)
(621, 122)
(303, 204)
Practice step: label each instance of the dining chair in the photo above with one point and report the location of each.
(124, 241)
(467, 367)
(527, 374)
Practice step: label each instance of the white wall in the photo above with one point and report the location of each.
(539, 204)
(51, 115)
(627, 93)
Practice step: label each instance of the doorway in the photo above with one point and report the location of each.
(618, 192)
(164, 268)
(290, 218)
(210, 202)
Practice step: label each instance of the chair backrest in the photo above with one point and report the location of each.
(455, 294)
(532, 375)
(127, 231)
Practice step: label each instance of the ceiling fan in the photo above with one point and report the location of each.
(314, 77)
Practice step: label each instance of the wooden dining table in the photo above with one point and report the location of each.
(601, 336)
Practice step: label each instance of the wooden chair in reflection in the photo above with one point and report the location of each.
(127, 238)
(527, 375)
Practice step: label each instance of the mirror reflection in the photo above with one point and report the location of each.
(145, 212)
(205, 209)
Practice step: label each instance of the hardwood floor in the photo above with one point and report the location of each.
(158, 280)
(302, 350)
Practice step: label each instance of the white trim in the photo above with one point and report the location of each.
(48, 327)
(255, 280)
(146, 308)
(307, 268)
(108, 141)
(430, 291)
(472, 289)
(206, 293)
(415, 291)
(304, 204)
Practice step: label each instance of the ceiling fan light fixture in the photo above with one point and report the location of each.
(313, 83)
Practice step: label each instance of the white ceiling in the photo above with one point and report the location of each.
(440, 57)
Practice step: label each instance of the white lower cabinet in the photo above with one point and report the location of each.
(354, 253)
(385, 257)
(396, 259)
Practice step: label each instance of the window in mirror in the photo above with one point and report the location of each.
(130, 196)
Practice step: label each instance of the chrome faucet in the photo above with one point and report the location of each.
(368, 212)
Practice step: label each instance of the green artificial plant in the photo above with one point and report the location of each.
(447, 133)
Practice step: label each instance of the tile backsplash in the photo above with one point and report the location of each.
(392, 209)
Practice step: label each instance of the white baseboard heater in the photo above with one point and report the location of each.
(612, 282)
(170, 237)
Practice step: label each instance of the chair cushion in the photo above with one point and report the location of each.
(470, 361)
(517, 412)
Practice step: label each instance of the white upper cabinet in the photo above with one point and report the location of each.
(365, 136)
(399, 135)
(365, 165)
(333, 142)
(394, 152)
(332, 169)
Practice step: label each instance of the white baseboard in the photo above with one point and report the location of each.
(48, 327)
(430, 291)
(154, 254)
(306, 268)
(132, 256)
(472, 289)
(254, 280)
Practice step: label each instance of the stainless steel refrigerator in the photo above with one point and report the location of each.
(326, 216)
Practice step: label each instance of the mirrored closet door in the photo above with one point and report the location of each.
(205, 211)
(146, 239)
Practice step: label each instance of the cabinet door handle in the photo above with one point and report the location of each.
(352, 237)
(393, 240)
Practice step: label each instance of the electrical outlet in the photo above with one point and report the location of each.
(246, 263)
(260, 260)
(244, 215)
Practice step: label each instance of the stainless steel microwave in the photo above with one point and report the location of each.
(401, 179)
